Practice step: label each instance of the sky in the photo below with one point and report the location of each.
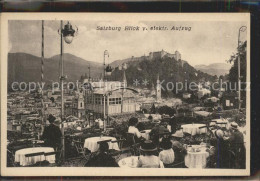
(206, 43)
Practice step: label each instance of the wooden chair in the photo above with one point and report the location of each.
(11, 158)
(28, 156)
(132, 144)
(79, 145)
(117, 153)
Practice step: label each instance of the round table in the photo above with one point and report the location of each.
(92, 145)
(196, 159)
(20, 155)
(145, 134)
(220, 122)
(194, 129)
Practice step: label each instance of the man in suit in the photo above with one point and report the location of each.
(52, 134)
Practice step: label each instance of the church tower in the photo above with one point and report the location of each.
(158, 89)
(124, 82)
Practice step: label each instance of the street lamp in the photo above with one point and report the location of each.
(67, 33)
(241, 29)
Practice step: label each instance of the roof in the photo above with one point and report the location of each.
(105, 91)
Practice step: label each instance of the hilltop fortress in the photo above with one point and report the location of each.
(156, 55)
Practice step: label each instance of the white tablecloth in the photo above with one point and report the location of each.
(132, 162)
(193, 129)
(146, 134)
(20, 155)
(196, 159)
(219, 121)
(92, 145)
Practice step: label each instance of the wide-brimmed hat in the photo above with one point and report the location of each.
(234, 125)
(51, 118)
(219, 133)
(166, 144)
(148, 146)
(178, 134)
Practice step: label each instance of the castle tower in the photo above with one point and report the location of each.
(158, 89)
(124, 83)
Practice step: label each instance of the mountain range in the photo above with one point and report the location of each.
(23, 67)
(214, 68)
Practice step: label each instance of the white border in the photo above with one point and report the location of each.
(85, 171)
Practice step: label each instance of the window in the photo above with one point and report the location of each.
(81, 105)
(114, 101)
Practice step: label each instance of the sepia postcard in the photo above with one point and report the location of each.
(125, 94)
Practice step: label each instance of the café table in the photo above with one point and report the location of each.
(145, 134)
(132, 162)
(194, 129)
(20, 155)
(92, 143)
(195, 159)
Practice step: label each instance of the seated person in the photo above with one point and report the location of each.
(140, 126)
(177, 146)
(148, 159)
(167, 155)
(158, 129)
(132, 129)
(102, 158)
(173, 124)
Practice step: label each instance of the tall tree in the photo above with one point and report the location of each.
(233, 72)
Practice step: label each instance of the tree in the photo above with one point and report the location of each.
(233, 72)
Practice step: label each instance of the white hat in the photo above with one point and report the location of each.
(219, 133)
(234, 125)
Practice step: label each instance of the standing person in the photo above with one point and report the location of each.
(222, 154)
(148, 159)
(167, 155)
(52, 134)
(236, 141)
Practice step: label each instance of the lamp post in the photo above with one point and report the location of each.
(67, 33)
(241, 29)
(105, 54)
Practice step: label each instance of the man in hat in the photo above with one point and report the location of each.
(236, 141)
(52, 134)
(236, 136)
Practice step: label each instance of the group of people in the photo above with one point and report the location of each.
(228, 149)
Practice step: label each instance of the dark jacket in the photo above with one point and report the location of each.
(52, 136)
(222, 156)
(101, 159)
